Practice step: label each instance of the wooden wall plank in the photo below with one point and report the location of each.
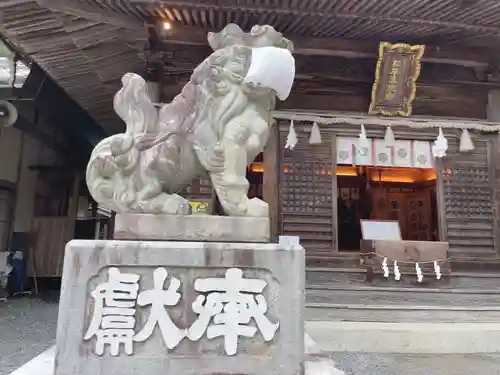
(306, 196)
(493, 111)
(50, 236)
(469, 192)
(335, 216)
(271, 179)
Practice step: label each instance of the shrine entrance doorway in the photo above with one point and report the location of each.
(406, 195)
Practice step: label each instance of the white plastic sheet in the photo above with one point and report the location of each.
(274, 68)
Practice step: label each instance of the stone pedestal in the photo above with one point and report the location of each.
(181, 308)
(192, 228)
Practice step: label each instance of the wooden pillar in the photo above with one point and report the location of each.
(442, 225)
(493, 113)
(73, 199)
(335, 231)
(493, 109)
(271, 178)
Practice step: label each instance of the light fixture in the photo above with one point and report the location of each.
(166, 25)
(13, 71)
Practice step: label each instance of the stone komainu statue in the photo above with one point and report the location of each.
(217, 125)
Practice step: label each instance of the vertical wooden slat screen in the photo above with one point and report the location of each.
(50, 236)
(199, 190)
(306, 191)
(468, 194)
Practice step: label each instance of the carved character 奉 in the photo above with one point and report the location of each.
(217, 125)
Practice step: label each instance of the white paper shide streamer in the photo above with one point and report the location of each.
(315, 138)
(397, 273)
(385, 268)
(420, 275)
(440, 145)
(466, 143)
(437, 270)
(291, 138)
(389, 138)
(363, 141)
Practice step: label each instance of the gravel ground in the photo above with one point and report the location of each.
(28, 327)
(417, 364)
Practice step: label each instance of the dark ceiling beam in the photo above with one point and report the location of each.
(359, 102)
(327, 71)
(321, 46)
(363, 71)
(99, 15)
(336, 47)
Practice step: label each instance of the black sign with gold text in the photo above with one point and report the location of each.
(398, 68)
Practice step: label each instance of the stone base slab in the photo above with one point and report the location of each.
(277, 269)
(192, 228)
(43, 364)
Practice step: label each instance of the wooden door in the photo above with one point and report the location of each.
(418, 207)
(6, 208)
(380, 204)
(390, 206)
(397, 203)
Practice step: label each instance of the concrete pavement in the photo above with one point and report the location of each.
(28, 327)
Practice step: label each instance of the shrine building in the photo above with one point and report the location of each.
(394, 118)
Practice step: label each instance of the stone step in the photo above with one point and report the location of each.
(463, 263)
(343, 261)
(320, 277)
(402, 297)
(423, 338)
(340, 301)
(400, 314)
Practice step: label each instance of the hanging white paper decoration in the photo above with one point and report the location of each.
(315, 137)
(420, 275)
(440, 145)
(291, 138)
(397, 273)
(437, 270)
(363, 141)
(466, 143)
(385, 268)
(389, 136)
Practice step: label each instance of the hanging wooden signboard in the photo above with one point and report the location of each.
(398, 68)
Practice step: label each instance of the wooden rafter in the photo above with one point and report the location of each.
(322, 46)
(319, 13)
(86, 45)
(93, 13)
